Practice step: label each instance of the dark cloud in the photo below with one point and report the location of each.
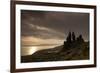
(50, 24)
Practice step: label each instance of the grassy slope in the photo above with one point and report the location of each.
(79, 52)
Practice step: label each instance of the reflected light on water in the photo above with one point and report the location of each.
(32, 50)
(29, 50)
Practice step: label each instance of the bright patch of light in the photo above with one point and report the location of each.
(32, 50)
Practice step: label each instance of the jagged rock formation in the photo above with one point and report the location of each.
(74, 48)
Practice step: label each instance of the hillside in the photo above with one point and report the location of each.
(77, 52)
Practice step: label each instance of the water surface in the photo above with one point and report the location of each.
(29, 50)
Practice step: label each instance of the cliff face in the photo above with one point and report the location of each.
(60, 53)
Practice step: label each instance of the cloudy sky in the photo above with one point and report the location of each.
(51, 28)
